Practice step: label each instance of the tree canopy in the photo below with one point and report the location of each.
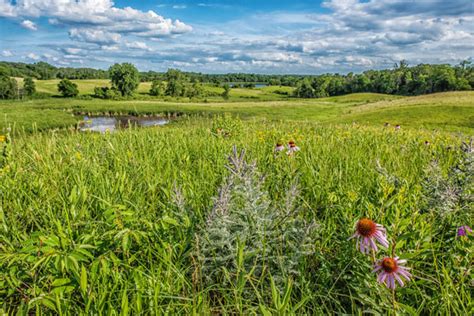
(68, 88)
(125, 78)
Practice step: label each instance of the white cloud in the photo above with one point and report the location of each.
(33, 56)
(7, 53)
(179, 6)
(137, 45)
(30, 25)
(98, 15)
(94, 36)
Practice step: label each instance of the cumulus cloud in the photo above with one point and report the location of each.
(27, 24)
(33, 56)
(7, 53)
(94, 19)
(94, 36)
(350, 35)
(137, 45)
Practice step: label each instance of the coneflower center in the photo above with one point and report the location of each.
(389, 265)
(366, 227)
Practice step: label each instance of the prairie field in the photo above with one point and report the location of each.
(202, 216)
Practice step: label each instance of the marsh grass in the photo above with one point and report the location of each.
(107, 223)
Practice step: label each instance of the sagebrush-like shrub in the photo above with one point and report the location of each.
(246, 233)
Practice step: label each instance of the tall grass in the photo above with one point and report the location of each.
(96, 224)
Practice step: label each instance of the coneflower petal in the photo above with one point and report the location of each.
(397, 277)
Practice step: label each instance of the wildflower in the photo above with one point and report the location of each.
(2, 138)
(464, 231)
(292, 148)
(279, 147)
(427, 143)
(397, 127)
(367, 230)
(391, 269)
(386, 124)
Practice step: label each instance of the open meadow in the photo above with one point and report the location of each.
(203, 216)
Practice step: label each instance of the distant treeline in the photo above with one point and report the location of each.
(402, 79)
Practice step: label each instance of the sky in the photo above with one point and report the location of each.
(275, 37)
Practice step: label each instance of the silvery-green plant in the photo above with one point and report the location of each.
(246, 232)
(453, 192)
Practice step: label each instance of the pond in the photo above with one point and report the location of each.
(104, 124)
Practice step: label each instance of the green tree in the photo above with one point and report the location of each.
(175, 87)
(226, 92)
(125, 78)
(157, 88)
(305, 89)
(29, 86)
(68, 88)
(8, 88)
(195, 91)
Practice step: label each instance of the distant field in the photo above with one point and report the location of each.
(453, 111)
(86, 87)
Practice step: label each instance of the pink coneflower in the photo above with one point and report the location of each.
(397, 126)
(366, 231)
(391, 269)
(292, 148)
(279, 147)
(464, 231)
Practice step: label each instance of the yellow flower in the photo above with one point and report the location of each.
(3, 138)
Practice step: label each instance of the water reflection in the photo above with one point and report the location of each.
(104, 124)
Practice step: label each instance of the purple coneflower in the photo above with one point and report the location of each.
(366, 231)
(391, 269)
(464, 231)
(397, 126)
(279, 147)
(292, 148)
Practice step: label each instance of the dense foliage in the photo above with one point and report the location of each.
(158, 221)
(45, 71)
(68, 88)
(29, 86)
(8, 88)
(403, 80)
(124, 78)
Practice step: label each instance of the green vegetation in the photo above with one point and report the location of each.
(124, 78)
(174, 220)
(29, 86)
(95, 223)
(402, 80)
(8, 88)
(452, 111)
(67, 88)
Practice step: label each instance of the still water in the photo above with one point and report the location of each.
(104, 124)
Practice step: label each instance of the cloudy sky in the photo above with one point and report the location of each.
(278, 36)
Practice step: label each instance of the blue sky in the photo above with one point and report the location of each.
(279, 36)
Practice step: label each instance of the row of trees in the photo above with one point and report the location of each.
(45, 71)
(403, 80)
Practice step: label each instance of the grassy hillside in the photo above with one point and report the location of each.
(86, 87)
